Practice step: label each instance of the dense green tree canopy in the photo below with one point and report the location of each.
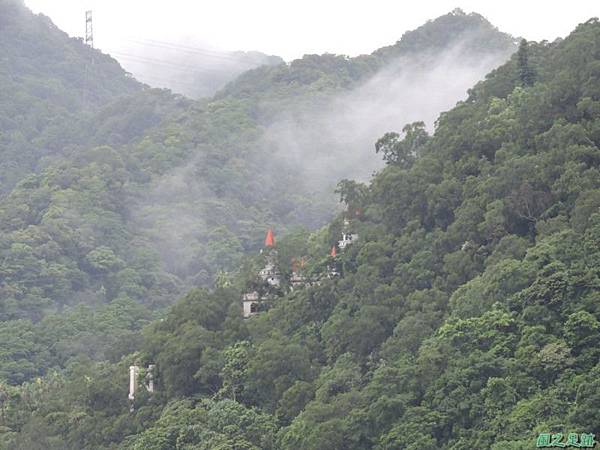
(467, 315)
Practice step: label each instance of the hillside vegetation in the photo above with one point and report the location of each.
(48, 82)
(466, 317)
(117, 198)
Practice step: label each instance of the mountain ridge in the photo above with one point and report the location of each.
(466, 315)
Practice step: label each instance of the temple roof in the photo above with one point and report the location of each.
(270, 239)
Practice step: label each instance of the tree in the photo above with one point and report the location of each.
(352, 193)
(235, 370)
(526, 72)
(403, 152)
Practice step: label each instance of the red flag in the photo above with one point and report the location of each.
(333, 253)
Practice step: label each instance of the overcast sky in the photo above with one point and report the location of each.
(291, 29)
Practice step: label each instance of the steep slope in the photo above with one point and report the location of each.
(271, 146)
(198, 181)
(47, 82)
(151, 193)
(467, 315)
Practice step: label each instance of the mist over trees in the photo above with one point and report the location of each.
(465, 315)
(187, 67)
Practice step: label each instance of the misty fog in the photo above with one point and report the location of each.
(321, 143)
(172, 219)
(186, 67)
(338, 141)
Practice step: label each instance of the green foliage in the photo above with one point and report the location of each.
(467, 316)
(403, 152)
(235, 369)
(48, 83)
(203, 425)
(110, 191)
(526, 73)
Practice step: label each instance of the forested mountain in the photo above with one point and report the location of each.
(466, 315)
(271, 146)
(145, 193)
(48, 81)
(117, 198)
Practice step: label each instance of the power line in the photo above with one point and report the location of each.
(166, 82)
(245, 60)
(188, 49)
(165, 63)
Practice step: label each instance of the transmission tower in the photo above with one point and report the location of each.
(89, 40)
(89, 30)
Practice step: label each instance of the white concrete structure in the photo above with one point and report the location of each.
(150, 378)
(134, 371)
(347, 237)
(250, 304)
(270, 274)
(346, 240)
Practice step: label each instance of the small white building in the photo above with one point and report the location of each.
(347, 237)
(250, 304)
(270, 274)
(346, 240)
